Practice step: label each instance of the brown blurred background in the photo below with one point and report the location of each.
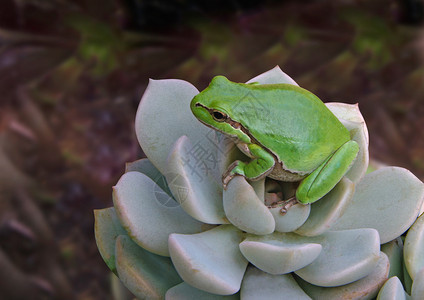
(72, 73)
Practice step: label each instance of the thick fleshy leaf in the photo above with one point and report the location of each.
(147, 220)
(146, 167)
(275, 75)
(360, 165)
(392, 290)
(259, 187)
(163, 116)
(394, 251)
(279, 253)
(407, 280)
(106, 229)
(277, 191)
(260, 285)
(245, 210)
(364, 289)
(414, 247)
(417, 290)
(388, 200)
(211, 260)
(346, 257)
(352, 119)
(199, 196)
(227, 152)
(146, 275)
(184, 291)
(374, 165)
(118, 290)
(293, 219)
(325, 212)
(348, 112)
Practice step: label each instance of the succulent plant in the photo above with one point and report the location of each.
(175, 233)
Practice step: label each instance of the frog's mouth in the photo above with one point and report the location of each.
(234, 124)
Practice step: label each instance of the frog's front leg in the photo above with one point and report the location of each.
(328, 174)
(260, 166)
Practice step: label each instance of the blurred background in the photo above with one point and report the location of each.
(72, 73)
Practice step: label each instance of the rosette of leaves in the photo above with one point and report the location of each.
(174, 232)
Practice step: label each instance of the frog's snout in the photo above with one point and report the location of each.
(194, 103)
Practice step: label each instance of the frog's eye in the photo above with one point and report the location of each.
(219, 116)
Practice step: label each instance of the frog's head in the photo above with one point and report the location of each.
(213, 107)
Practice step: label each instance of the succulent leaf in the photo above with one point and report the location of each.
(351, 118)
(407, 280)
(394, 251)
(245, 210)
(184, 291)
(346, 256)
(365, 289)
(392, 290)
(275, 75)
(260, 285)
(279, 253)
(414, 248)
(148, 221)
(211, 260)
(106, 229)
(163, 116)
(349, 112)
(259, 187)
(328, 210)
(146, 167)
(146, 275)
(417, 290)
(197, 194)
(293, 219)
(388, 200)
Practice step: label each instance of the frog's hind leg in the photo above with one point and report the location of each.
(328, 174)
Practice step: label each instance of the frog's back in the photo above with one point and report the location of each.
(293, 124)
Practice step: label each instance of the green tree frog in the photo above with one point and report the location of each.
(287, 131)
